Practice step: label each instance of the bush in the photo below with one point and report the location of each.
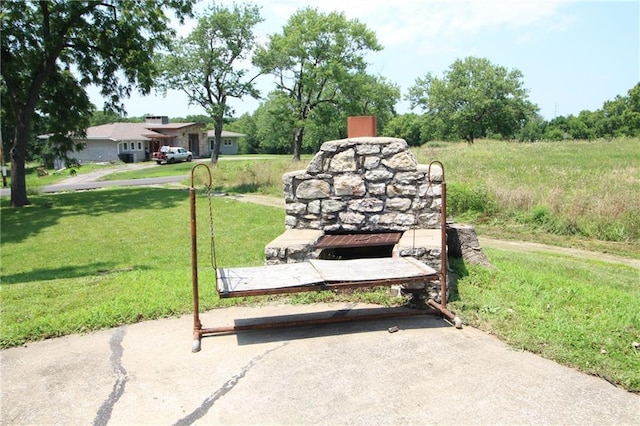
(468, 200)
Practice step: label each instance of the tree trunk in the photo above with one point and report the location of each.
(217, 140)
(18, 155)
(462, 242)
(2, 163)
(297, 143)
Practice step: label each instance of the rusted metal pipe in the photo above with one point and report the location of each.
(443, 251)
(443, 233)
(442, 306)
(447, 313)
(197, 325)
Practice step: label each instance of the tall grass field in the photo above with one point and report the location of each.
(570, 189)
(80, 261)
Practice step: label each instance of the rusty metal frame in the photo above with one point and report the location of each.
(437, 308)
(442, 306)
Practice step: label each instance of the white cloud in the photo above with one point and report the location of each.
(433, 24)
(418, 35)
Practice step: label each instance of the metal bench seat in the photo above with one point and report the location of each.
(316, 274)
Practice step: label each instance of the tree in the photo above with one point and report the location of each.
(557, 129)
(246, 124)
(475, 97)
(363, 94)
(405, 126)
(582, 126)
(275, 124)
(312, 59)
(366, 94)
(204, 65)
(533, 130)
(621, 116)
(51, 50)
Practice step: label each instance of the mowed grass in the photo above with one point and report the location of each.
(75, 262)
(33, 181)
(580, 313)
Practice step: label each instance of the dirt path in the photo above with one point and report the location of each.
(523, 246)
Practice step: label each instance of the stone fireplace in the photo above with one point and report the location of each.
(362, 197)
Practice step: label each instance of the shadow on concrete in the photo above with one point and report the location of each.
(307, 331)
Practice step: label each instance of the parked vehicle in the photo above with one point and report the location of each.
(172, 154)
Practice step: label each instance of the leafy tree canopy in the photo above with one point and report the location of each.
(313, 59)
(51, 50)
(407, 127)
(474, 97)
(206, 64)
(617, 118)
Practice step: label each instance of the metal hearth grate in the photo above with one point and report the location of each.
(358, 240)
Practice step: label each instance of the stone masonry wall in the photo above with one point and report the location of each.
(365, 184)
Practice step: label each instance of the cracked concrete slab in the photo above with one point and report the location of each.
(355, 373)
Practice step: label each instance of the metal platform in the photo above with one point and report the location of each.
(316, 274)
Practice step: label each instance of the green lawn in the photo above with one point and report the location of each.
(80, 261)
(34, 181)
(242, 174)
(75, 262)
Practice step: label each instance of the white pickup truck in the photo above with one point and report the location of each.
(172, 154)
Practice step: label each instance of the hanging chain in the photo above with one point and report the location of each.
(214, 262)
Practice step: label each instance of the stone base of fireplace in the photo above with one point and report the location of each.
(298, 245)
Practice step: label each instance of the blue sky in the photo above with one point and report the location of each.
(574, 55)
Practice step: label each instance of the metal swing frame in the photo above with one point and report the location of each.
(419, 273)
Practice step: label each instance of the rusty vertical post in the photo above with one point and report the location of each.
(197, 325)
(442, 306)
(443, 241)
(443, 233)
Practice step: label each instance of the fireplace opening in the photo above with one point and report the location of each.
(357, 246)
(346, 253)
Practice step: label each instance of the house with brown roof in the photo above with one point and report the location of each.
(133, 142)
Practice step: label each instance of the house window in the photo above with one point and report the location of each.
(124, 146)
(139, 146)
(225, 142)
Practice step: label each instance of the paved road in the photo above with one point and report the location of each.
(61, 187)
(91, 180)
(356, 373)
